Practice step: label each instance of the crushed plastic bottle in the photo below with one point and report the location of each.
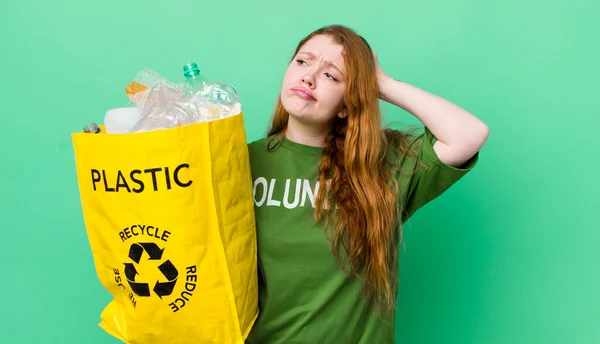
(213, 91)
(139, 89)
(164, 104)
(162, 110)
(221, 93)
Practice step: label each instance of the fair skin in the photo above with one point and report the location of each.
(318, 70)
(460, 134)
(313, 92)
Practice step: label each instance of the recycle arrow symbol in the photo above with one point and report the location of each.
(170, 272)
(136, 250)
(166, 268)
(139, 288)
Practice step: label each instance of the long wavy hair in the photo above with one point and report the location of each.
(364, 227)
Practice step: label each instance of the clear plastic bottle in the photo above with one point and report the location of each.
(195, 80)
(222, 93)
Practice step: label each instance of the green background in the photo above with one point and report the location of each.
(508, 255)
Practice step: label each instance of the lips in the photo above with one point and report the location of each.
(304, 93)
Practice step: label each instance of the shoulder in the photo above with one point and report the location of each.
(258, 145)
(415, 149)
(403, 148)
(258, 150)
(421, 174)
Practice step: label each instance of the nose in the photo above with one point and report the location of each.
(308, 80)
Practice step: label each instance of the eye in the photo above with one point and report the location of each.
(300, 61)
(329, 76)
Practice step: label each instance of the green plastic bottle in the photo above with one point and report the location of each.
(194, 79)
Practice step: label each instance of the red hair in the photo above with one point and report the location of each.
(363, 186)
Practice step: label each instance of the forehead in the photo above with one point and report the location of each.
(325, 48)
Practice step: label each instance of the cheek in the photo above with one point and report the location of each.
(290, 75)
(335, 97)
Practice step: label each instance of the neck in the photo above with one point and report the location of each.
(307, 134)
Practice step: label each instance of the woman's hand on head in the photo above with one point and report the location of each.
(383, 79)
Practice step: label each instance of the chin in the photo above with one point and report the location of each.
(295, 107)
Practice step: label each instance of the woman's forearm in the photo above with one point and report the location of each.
(460, 134)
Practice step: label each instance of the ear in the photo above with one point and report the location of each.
(343, 113)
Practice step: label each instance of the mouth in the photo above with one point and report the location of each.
(304, 93)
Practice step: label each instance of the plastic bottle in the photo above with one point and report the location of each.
(223, 94)
(195, 80)
(121, 120)
(91, 128)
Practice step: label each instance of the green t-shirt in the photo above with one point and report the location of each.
(304, 296)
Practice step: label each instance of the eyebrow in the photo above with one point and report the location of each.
(329, 63)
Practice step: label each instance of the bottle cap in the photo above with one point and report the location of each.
(191, 69)
(91, 128)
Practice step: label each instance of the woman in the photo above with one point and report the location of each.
(332, 189)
